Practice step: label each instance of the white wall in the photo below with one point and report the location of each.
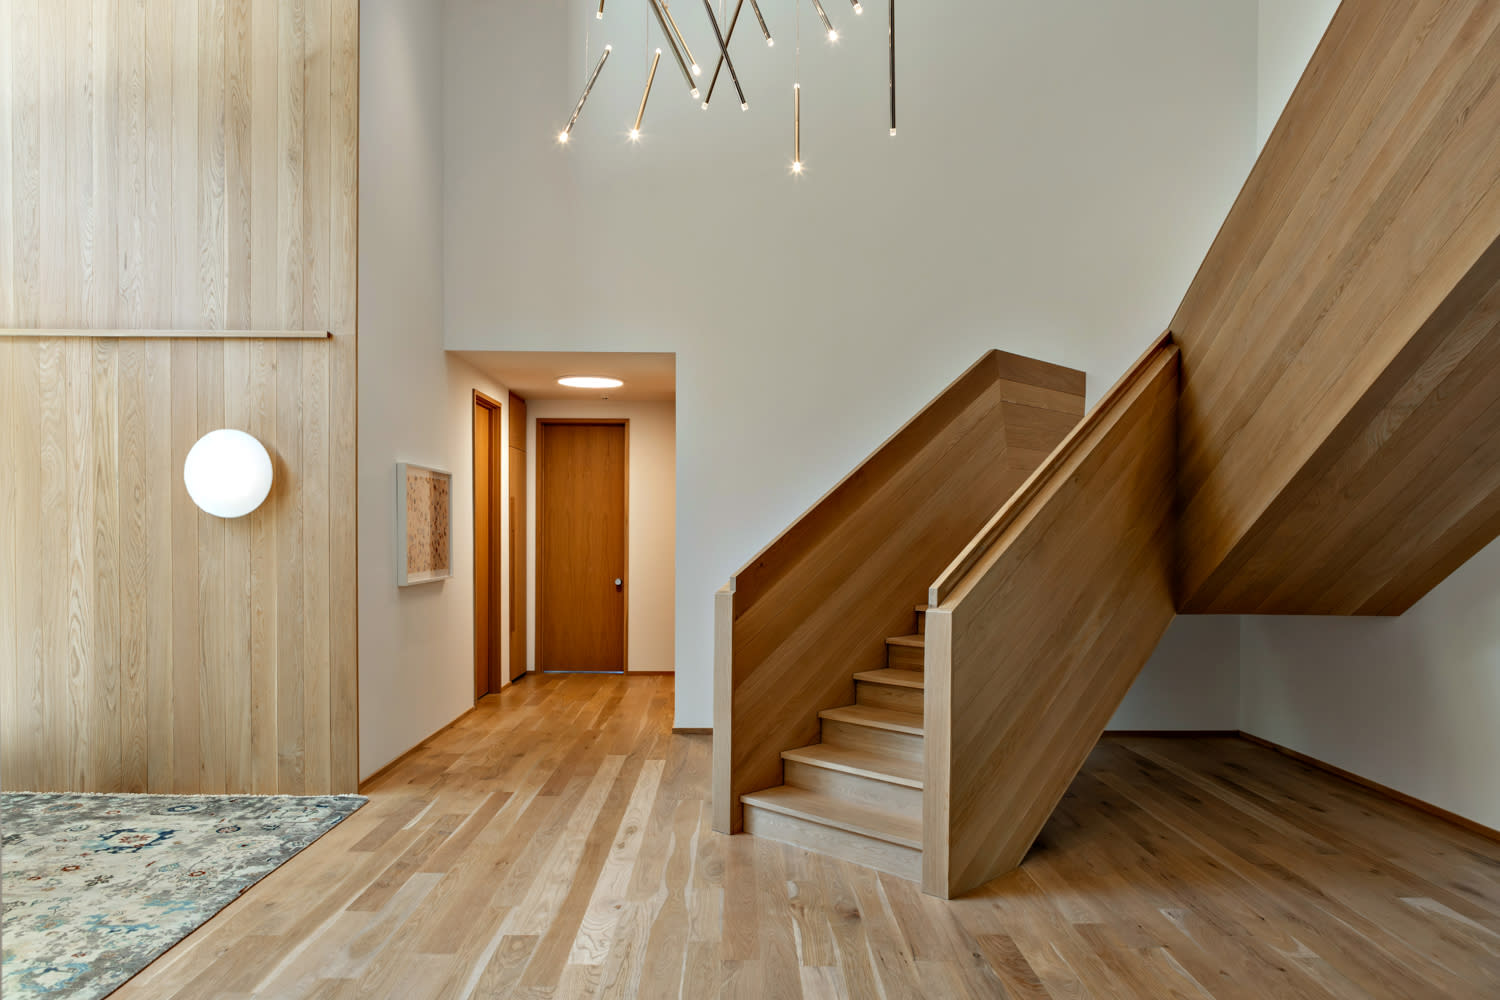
(1061, 168)
(1288, 32)
(1410, 702)
(416, 644)
(651, 613)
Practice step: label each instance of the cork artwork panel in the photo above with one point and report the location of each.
(424, 507)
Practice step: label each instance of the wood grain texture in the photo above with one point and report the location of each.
(1032, 642)
(582, 499)
(516, 561)
(178, 255)
(1339, 342)
(1173, 868)
(815, 606)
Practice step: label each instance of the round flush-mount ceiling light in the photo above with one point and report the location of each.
(227, 473)
(589, 382)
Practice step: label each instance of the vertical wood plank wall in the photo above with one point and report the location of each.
(177, 164)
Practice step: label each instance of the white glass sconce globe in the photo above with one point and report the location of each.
(227, 473)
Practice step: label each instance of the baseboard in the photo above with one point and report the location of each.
(692, 730)
(650, 673)
(1375, 786)
(381, 772)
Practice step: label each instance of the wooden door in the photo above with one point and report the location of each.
(517, 502)
(487, 441)
(581, 501)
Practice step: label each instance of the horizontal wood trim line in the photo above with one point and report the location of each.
(815, 608)
(1411, 800)
(1044, 473)
(173, 334)
(692, 730)
(1027, 660)
(1337, 452)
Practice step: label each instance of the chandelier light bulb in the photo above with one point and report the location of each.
(770, 43)
(833, 35)
(755, 6)
(859, 8)
(635, 133)
(587, 89)
(600, 16)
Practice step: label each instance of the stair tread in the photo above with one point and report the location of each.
(924, 608)
(816, 807)
(876, 718)
(917, 640)
(881, 767)
(898, 678)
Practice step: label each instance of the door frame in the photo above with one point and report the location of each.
(497, 423)
(536, 546)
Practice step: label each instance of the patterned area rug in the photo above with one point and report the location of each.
(96, 886)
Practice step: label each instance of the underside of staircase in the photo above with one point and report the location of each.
(1317, 433)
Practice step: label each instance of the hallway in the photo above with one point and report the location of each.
(556, 842)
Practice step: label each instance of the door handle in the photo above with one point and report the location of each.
(619, 583)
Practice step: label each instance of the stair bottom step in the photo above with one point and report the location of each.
(895, 859)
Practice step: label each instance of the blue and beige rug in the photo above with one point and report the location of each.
(96, 886)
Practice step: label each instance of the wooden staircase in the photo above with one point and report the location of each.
(858, 793)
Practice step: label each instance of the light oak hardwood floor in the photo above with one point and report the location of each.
(556, 843)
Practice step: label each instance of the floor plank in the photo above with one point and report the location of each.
(557, 842)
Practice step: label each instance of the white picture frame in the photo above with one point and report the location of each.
(424, 524)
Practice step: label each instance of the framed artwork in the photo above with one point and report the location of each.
(424, 521)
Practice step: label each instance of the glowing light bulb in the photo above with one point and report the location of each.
(796, 166)
(697, 93)
(770, 43)
(635, 135)
(745, 106)
(833, 36)
(697, 70)
(893, 131)
(705, 105)
(859, 8)
(599, 16)
(562, 137)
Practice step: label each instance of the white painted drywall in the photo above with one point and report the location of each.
(651, 613)
(1060, 171)
(1288, 32)
(416, 644)
(1410, 702)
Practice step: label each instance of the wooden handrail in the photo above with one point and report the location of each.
(1035, 633)
(953, 575)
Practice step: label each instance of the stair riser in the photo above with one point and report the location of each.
(899, 799)
(902, 699)
(861, 850)
(904, 657)
(921, 623)
(844, 734)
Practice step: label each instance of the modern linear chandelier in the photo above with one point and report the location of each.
(682, 54)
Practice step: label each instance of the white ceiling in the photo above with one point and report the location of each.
(534, 374)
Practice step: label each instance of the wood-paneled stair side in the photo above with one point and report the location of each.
(807, 613)
(858, 793)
